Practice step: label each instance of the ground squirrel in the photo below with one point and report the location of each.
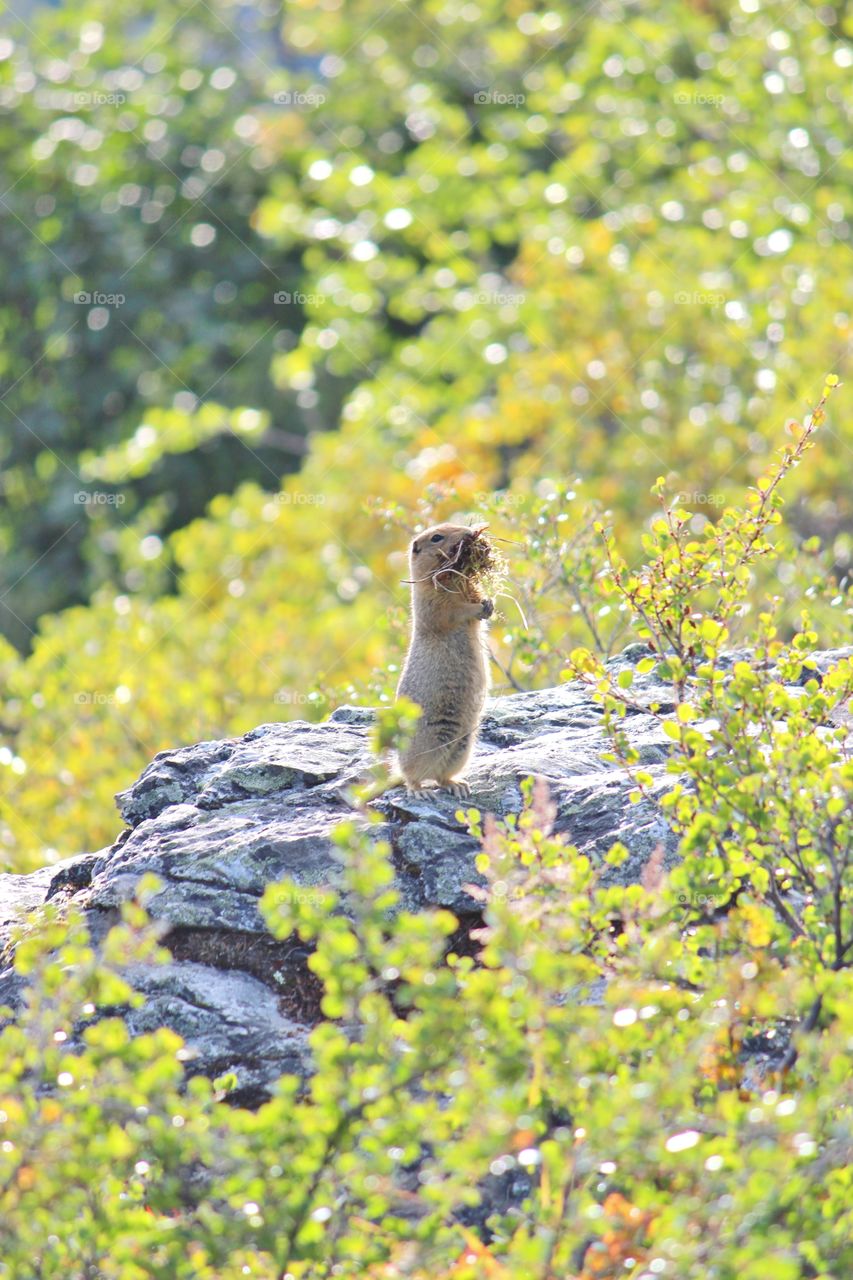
(446, 669)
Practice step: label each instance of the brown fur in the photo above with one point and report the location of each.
(446, 670)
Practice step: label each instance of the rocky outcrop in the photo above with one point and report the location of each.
(218, 821)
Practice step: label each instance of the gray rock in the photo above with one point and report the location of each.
(217, 822)
(19, 895)
(227, 1018)
(441, 860)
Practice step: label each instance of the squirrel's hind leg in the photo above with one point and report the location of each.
(455, 787)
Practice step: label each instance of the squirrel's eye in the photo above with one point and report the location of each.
(437, 537)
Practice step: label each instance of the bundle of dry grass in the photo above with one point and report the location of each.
(475, 569)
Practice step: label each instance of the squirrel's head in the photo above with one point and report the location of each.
(439, 548)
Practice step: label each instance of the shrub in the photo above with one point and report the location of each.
(627, 1081)
(592, 1057)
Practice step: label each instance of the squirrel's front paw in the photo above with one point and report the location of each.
(487, 609)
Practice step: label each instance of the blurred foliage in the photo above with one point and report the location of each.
(139, 303)
(612, 1057)
(537, 258)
